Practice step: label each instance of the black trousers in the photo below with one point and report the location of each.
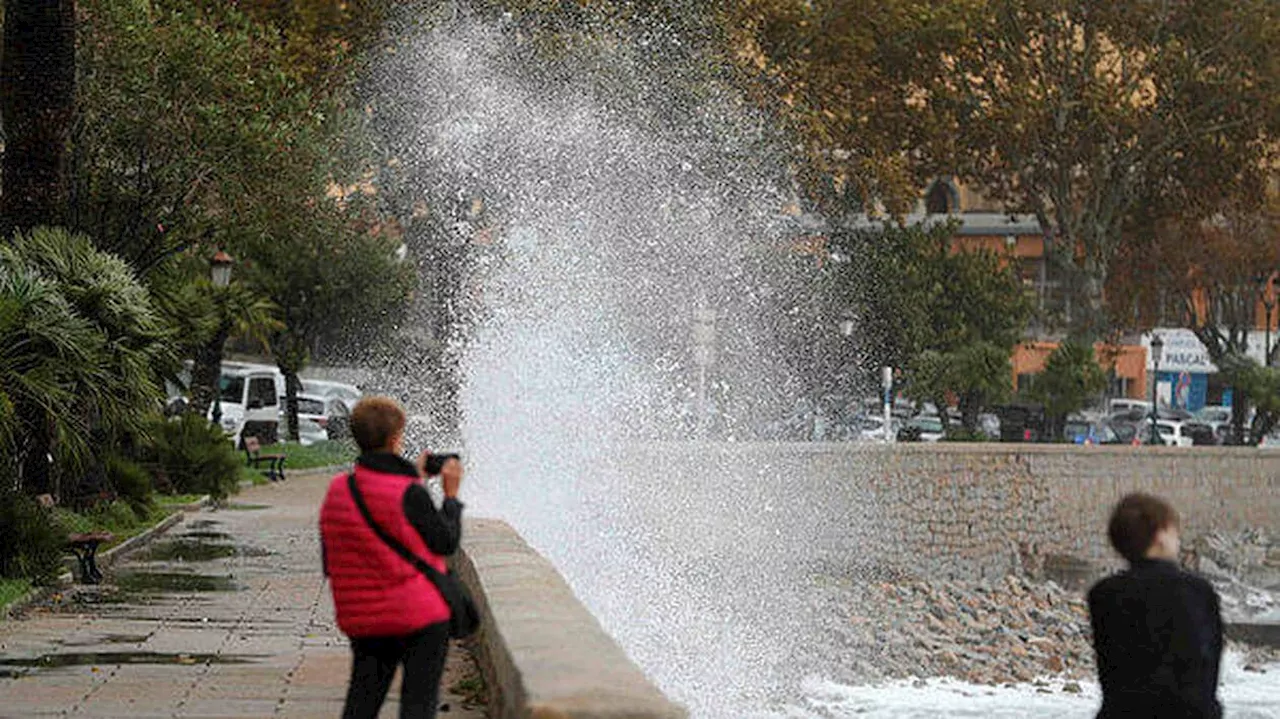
(375, 662)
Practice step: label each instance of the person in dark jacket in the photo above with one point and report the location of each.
(1157, 630)
(391, 612)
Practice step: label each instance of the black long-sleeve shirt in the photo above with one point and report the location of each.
(441, 530)
(1157, 632)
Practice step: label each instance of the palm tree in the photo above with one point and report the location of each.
(46, 351)
(234, 310)
(107, 378)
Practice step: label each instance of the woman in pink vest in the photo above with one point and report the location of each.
(392, 613)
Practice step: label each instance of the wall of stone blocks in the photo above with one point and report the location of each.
(946, 510)
(985, 510)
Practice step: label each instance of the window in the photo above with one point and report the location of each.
(1025, 382)
(310, 406)
(262, 392)
(231, 389)
(941, 199)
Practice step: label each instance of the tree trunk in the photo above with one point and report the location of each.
(1239, 411)
(37, 100)
(206, 371)
(291, 386)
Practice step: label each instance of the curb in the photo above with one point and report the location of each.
(106, 559)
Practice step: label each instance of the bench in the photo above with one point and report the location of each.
(255, 458)
(85, 547)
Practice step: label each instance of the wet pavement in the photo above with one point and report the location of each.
(227, 615)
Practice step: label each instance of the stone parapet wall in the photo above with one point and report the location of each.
(543, 654)
(950, 510)
(990, 509)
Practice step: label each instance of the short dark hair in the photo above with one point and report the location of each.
(1135, 522)
(374, 421)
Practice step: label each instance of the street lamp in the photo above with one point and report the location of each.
(220, 274)
(220, 269)
(1157, 351)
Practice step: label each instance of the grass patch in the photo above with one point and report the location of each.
(320, 454)
(173, 502)
(12, 590)
(256, 477)
(115, 517)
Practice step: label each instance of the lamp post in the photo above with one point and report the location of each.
(220, 274)
(1157, 350)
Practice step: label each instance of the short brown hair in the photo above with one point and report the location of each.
(1135, 522)
(374, 421)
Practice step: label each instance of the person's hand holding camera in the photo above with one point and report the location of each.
(451, 477)
(447, 466)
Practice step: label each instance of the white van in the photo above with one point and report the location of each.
(248, 401)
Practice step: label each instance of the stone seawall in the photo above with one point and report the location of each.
(963, 510)
(993, 509)
(542, 653)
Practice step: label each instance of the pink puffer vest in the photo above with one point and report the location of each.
(376, 593)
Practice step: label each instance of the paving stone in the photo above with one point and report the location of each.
(265, 643)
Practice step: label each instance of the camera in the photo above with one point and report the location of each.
(435, 462)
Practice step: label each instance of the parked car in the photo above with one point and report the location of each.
(348, 393)
(1202, 435)
(922, 428)
(872, 428)
(1080, 430)
(313, 419)
(1174, 433)
(1021, 422)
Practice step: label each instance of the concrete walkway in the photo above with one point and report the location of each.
(225, 616)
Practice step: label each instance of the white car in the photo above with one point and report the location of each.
(930, 426)
(872, 429)
(347, 393)
(1172, 435)
(313, 417)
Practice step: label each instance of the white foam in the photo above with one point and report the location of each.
(1244, 695)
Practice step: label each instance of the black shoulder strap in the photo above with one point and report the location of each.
(422, 566)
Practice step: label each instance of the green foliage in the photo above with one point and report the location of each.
(12, 590)
(132, 483)
(80, 348)
(192, 456)
(1258, 385)
(950, 319)
(977, 374)
(31, 541)
(1070, 380)
(320, 454)
(189, 117)
(334, 284)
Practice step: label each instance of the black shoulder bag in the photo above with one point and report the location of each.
(464, 618)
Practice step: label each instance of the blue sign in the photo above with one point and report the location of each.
(1190, 389)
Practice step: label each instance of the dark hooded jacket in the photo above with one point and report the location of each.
(1157, 632)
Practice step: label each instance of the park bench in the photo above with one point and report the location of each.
(82, 544)
(85, 547)
(255, 458)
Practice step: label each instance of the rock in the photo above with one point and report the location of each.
(1072, 688)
